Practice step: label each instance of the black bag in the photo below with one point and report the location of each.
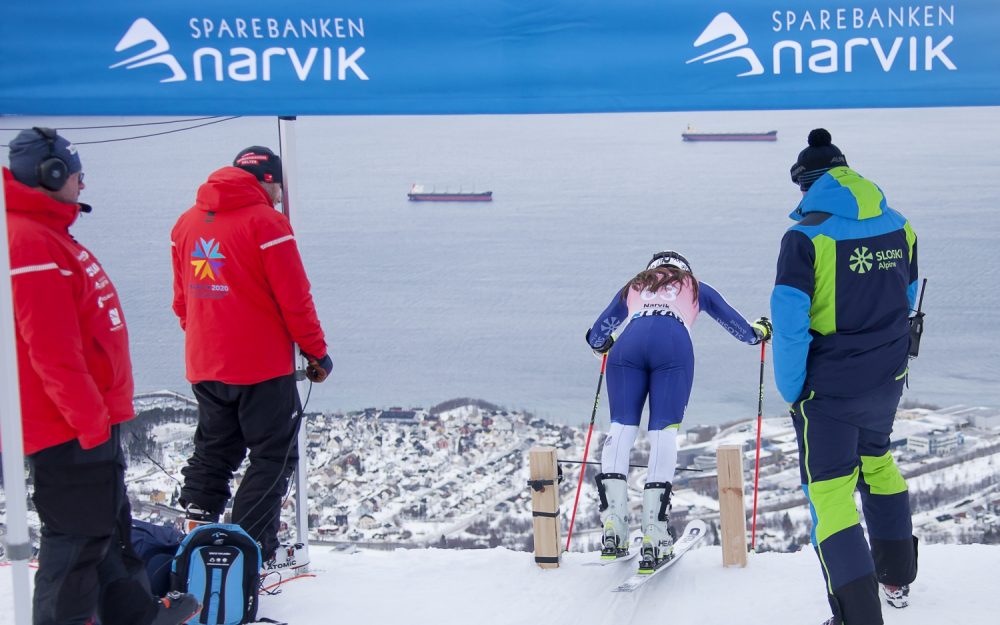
(156, 545)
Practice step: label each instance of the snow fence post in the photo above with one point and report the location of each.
(732, 508)
(544, 485)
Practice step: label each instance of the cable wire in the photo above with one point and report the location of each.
(169, 121)
(153, 134)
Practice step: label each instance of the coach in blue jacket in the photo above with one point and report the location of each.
(845, 286)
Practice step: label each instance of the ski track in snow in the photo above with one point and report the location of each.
(502, 587)
(956, 584)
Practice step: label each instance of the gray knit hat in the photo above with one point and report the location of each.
(34, 146)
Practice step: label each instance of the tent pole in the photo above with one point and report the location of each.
(289, 162)
(17, 542)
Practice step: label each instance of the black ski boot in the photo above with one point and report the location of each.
(195, 516)
(176, 608)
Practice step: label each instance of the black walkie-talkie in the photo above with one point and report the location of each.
(917, 323)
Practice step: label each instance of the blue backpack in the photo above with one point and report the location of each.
(220, 565)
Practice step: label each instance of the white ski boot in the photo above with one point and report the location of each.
(657, 544)
(613, 490)
(897, 596)
(289, 558)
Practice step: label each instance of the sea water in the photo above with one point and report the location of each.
(424, 302)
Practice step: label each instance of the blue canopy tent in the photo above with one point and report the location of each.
(449, 57)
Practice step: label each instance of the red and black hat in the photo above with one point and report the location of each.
(264, 164)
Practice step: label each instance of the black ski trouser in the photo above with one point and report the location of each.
(233, 418)
(844, 446)
(86, 564)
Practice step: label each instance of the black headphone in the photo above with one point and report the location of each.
(53, 171)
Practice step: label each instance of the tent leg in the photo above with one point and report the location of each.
(289, 161)
(18, 542)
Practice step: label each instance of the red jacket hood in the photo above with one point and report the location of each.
(230, 188)
(24, 199)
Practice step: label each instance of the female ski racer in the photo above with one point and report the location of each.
(649, 323)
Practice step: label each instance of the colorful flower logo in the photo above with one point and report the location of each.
(206, 263)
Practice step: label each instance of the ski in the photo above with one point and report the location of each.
(635, 542)
(693, 533)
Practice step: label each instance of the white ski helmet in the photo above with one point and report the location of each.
(671, 258)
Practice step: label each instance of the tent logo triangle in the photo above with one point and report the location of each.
(142, 32)
(724, 25)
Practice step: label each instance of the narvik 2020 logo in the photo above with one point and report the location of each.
(896, 39)
(244, 63)
(208, 260)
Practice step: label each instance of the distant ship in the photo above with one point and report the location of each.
(693, 135)
(419, 194)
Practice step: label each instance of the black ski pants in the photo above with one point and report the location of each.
(844, 446)
(233, 418)
(86, 564)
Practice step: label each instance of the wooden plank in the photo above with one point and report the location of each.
(732, 508)
(545, 506)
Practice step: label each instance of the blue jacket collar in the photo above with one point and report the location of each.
(842, 192)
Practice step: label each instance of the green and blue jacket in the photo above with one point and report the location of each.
(845, 285)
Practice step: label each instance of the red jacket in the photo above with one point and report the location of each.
(240, 289)
(72, 344)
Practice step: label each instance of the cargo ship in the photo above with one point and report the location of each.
(693, 135)
(419, 194)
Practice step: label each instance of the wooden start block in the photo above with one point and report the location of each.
(544, 485)
(732, 509)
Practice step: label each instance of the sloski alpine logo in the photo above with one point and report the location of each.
(142, 31)
(207, 259)
(725, 26)
(887, 258)
(861, 260)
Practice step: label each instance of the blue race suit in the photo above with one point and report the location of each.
(653, 355)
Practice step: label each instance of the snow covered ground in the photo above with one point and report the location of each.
(957, 584)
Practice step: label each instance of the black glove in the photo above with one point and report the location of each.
(604, 347)
(762, 328)
(318, 369)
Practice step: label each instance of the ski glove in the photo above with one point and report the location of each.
(603, 348)
(762, 328)
(318, 369)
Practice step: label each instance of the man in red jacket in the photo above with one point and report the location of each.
(75, 380)
(243, 300)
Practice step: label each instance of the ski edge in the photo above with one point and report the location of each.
(694, 532)
(635, 539)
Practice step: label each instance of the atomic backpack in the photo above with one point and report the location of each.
(220, 565)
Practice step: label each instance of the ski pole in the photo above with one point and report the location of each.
(756, 468)
(586, 448)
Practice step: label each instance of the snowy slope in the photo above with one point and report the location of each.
(957, 584)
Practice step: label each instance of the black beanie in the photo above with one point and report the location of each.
(817, 159)
(264, 164)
